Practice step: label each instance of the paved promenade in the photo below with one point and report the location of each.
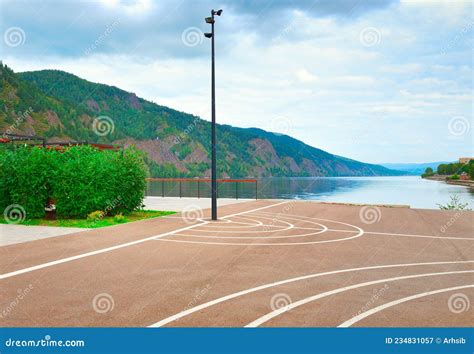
(263, 263)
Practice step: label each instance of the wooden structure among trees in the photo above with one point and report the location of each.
(33, 140)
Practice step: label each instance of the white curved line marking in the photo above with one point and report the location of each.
(368, 313)
(108, 249)
(252, 237)
(359, 234)
(280, 228)
(299, 218)
(258, 244)
(422, 236)
(317, 231)
(278, 312)
(286, 281)
(254, 223)
(289, 227)
(379, 233)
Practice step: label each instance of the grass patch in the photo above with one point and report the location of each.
(103, 222)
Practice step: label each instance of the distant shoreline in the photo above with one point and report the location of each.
(458, 182)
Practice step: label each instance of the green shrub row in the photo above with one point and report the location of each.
(79, 180)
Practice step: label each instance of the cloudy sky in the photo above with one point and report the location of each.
(377, 81)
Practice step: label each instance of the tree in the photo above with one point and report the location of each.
(450, 168)
(428, 172)
(442, 169)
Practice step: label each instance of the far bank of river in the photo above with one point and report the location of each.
(458, 182)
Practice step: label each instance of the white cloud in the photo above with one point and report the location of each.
(304, 75)
(388, 102)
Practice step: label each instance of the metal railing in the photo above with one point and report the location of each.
(201, 187)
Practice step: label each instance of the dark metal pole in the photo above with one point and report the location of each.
(213, 167)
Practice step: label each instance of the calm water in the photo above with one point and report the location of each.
(411, 190)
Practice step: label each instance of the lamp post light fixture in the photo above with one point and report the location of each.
(211, 21)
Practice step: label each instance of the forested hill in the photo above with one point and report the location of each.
(66, 107)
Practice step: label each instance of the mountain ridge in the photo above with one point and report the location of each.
(65, 107)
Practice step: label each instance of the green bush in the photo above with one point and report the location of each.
(454, 204)
(119, 218)
(90, 179)
(95, 216)
(80, 179)
(5, 162)
(454, 177)
(25, 178)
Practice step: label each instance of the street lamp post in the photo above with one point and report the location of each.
(211, 21)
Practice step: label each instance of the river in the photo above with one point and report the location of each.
(407, 190)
